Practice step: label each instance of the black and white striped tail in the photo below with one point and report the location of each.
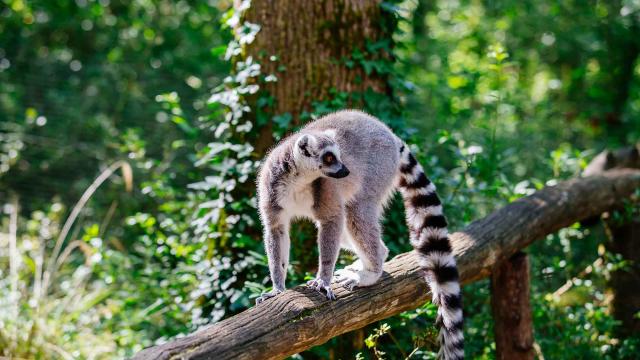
(430, 239)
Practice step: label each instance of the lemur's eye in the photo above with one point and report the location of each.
(328, 158)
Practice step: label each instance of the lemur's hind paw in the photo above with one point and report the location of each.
(355, 266)
(322, 287)
(347, 278)
(267, 295)
(350, 279)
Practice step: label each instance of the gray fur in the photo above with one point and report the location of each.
(345, 198)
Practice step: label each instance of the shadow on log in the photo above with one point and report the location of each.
(300, 318)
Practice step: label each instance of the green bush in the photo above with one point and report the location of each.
(498, 98)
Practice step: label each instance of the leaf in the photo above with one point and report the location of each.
(389, 7)
(283, 120)
(456, 81)
(184, 125)
(219, 50)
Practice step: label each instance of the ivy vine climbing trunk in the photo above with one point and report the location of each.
(319, 51)
(316, 57)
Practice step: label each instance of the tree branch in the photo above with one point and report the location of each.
(301, 318)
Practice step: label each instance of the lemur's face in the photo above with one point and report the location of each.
(320, 153)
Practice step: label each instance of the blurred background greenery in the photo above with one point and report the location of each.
(130, 132)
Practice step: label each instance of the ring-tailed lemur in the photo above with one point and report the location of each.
(339, 171)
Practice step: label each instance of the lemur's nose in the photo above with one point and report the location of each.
(343, 172)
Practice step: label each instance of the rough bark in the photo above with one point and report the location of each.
(624, 283)
(305, 45)
(623, 235)
(301, 318)
(513, 325)
(308, 47)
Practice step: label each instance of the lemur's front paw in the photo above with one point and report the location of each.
(322, 287)
(267, 295)
(350, 279)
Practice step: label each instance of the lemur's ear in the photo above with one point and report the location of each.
(304, 142)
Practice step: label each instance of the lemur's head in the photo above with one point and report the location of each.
(319, 152)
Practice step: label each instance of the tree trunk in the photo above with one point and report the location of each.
(623, 236)
(308, 46)
(624, 282)
(511, 309)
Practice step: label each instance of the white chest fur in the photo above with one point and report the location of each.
(297, 200)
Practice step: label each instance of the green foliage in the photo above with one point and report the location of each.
(77, 77)
(498, 98)
(493, 116)
(85, 84)
(51, 305)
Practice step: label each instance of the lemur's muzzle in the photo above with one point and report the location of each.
(343, 172)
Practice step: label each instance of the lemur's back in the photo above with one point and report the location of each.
(369, 149)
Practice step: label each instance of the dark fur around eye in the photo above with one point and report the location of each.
(328, 158)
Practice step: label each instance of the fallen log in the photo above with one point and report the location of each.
(301, 318)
